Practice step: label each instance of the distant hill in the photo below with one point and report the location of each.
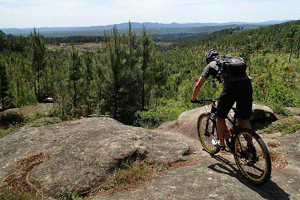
(155, 28)
(271, 37)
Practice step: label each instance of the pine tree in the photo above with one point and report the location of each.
(4, 84)
(257, 47)
(75, 73)
(290, 40)
(2, 40)
(120, 75)
(147, 50)
(298, 47)
(278, 45)
(39, 60)
(88, 78)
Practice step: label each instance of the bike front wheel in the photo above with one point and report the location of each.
(207, 133)
(252, 156)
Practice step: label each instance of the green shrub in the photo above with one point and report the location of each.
(148, 119)
(281, 95)
(11, 118)
(290, 126)
(16, 194)
(4, 132)
(69, 196)
(10, 122)
(280, 109)
(167, 110)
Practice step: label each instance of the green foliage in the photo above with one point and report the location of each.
(279, 109)
(2, 40)
(13, 43)
(23, 96)
(147, 50)
(279, 94)
(88, 78)
(63, 108)
(148, 119)
(38, 61)
(4, 132)
(11, 121)
(276, 82)
(75, 74)
(11, 118)
(3, 83)
(16, 194)
(127, 74)
(289, 126)
(68, 196)
(167, 110)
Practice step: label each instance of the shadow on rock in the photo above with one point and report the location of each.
(269, 190)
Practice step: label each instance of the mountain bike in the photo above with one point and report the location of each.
(249, 150)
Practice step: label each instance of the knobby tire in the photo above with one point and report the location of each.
(255, 165)
(207, 131)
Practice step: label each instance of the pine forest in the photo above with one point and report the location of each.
(141, 80)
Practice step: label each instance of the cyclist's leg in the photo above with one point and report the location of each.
(225, 103)
(245, 123)
(222, 129)
(244, 107)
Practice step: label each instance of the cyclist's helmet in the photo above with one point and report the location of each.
(210, 55)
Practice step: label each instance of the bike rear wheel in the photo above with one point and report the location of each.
(253, 161)
(207, 132)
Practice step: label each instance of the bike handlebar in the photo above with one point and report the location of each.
(201, 101)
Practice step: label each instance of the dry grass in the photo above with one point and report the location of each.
(138, 174)
(279, 160)
(129, 176)
(82, 47)
(273, 144)
(19, 179)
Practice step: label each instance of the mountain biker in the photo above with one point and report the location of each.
(236, 88)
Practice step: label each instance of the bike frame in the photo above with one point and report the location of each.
(239, 143)
(212, 116)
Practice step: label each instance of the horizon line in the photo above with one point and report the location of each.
(232, 22)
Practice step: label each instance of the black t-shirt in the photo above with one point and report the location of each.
(212, 69)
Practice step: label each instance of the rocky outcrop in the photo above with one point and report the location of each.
(43, 107)
(295, 111)
(186, 124)
(78, 155)
(75, 156)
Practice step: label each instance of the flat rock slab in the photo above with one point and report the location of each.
(218, 178)
(80, 154)
(212, 179)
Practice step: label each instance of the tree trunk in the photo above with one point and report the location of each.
(291, 52)
(75, 94)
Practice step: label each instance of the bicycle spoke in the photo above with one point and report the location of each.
(250, 152)
(207, 132)
(252, 157)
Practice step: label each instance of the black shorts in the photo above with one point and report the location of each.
(239, 92)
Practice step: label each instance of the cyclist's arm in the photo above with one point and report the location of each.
(197, 87)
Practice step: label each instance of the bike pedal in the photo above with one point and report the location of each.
(225, 150)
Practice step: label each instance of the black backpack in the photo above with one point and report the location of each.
(231, 65)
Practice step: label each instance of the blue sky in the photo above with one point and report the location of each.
(66, 13)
